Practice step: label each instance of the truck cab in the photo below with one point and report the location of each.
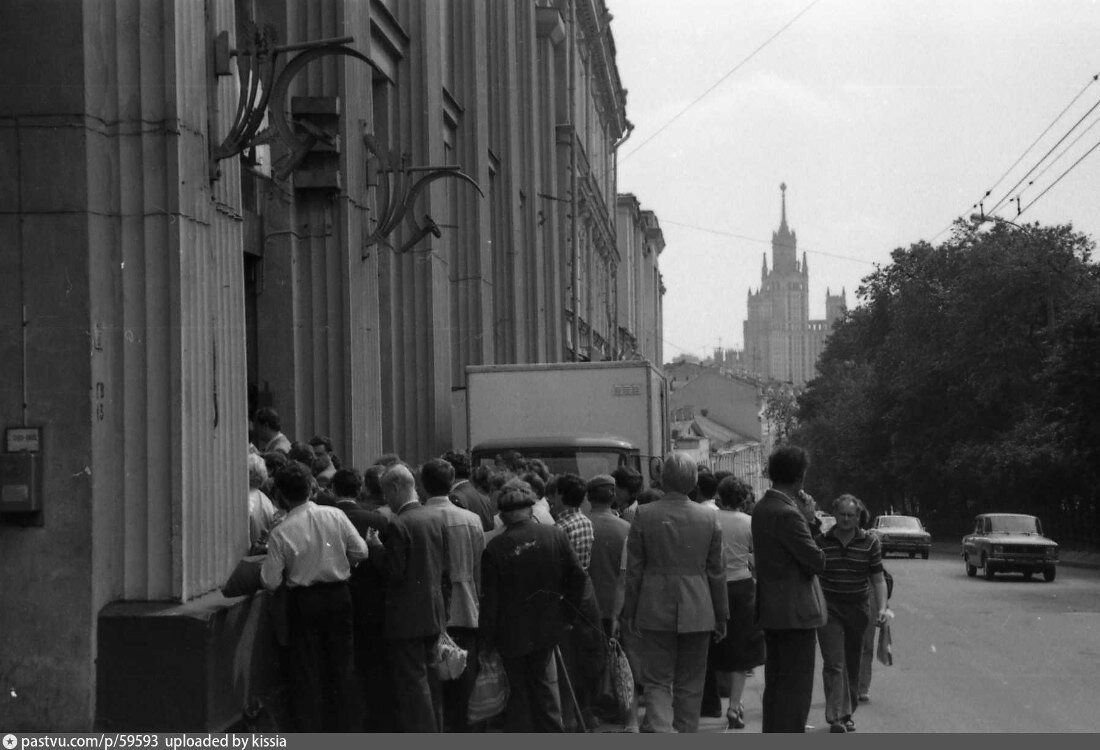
(585, 456)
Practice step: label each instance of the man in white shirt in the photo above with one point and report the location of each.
(312, 552)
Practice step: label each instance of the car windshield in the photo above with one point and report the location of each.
(1014, 525)
(899, 522)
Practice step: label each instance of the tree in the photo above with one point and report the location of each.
(960, 381)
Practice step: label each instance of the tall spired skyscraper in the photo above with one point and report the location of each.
(781, 342)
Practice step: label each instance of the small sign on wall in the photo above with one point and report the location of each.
(23, 439)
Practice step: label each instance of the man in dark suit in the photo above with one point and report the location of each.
(368, 601)
(790, 605)
(532, 584)
(675, 597)
(465, 495)
(415, 561)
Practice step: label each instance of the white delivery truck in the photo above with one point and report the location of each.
(586, 418)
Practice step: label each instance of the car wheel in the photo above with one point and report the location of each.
(1049, 573)
(970, 569)
(988, 568)
(912, 555)
(924, 555)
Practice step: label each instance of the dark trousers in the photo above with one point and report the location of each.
(321, 657)
(419, 708)
(788, 679)
(534, 704)
(841, 641)
(456, 693)
(376, 677)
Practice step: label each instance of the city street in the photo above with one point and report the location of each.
(972, 655)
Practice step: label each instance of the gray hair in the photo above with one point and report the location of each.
(679, 473)
(257, 470)
(399, 479)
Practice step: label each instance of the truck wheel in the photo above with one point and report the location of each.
(970, 569)
(1049, 573)
(988, 568)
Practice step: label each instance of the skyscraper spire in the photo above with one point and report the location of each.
(783, 217)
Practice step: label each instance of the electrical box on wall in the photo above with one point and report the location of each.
(21, 478)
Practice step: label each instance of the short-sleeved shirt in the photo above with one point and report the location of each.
(313, 544)
(848, 568)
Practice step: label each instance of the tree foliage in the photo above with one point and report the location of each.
(966, 381)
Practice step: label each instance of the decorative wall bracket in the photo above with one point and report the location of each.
(264, 91)
(398, 187)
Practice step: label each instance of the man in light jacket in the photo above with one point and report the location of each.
(675, 597)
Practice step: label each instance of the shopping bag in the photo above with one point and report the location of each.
(884, 652)
(490, 693)
(449, 660)
(617, 686)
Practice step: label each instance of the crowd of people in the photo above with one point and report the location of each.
(377, 571)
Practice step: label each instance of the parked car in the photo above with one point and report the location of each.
(904, 534)
(1009, 542)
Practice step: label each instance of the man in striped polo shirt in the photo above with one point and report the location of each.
(853, 565)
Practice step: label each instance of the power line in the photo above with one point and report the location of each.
(1048, 153)
(758, 240)
(1064, 151)
(719, 82)
(1071, 167)
(1047, 130)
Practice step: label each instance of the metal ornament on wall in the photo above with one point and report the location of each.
(398, 190)
(264, 91)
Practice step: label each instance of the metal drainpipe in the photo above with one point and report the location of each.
(573, 228)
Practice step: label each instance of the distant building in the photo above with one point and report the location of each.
(781, 342)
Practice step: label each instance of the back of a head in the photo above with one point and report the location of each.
(679, 473)
(372, 480)
(538, 486)
(387, 460)
(733, 493)
(629, 479)
(294, 482)
(650, 495)
(460, 461)
(268, 418)
(347, 483)
(300, 451)
(399, 479)
(481, 478)
(257, 470)
(437, 476)
(321, 440)
(572, 489)
(707, 484)
(274, 460)
(787, 465)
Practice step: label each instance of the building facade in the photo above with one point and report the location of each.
(781, 341)
(164, 275)
(640, 286)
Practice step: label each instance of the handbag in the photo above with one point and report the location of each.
(449, 659)
(490, 693)
(617, 684)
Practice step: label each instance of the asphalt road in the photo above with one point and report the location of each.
(972, 655)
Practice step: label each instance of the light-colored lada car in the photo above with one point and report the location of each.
(1009, 542)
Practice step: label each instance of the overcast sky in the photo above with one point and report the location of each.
(885, 118)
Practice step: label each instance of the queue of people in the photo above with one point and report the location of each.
(700, 584)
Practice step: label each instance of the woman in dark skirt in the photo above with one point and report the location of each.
(743, 647)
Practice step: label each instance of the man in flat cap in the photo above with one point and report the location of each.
(532, 585)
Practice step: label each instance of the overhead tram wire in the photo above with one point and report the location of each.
(719, 82)
(760, 241)
(1051, 185)
(1036, 141)
(1064, 151)
(1008, 195)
